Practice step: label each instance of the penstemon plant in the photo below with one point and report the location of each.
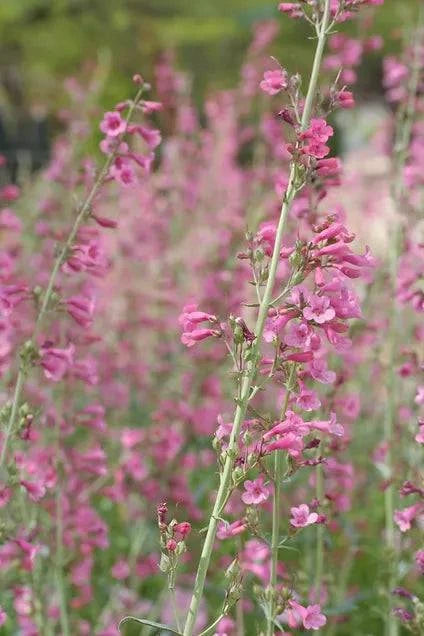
(308, 152)
(296, 386)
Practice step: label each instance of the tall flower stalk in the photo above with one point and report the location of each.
(403, 134)
(28, 350)
(254, 356)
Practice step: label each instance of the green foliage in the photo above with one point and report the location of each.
(44, 41)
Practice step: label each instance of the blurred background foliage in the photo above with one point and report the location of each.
(44, 41)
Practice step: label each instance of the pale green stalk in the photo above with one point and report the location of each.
(82, 214)
(251, 365)
(276, 513)
(402, 142)
(319, 549)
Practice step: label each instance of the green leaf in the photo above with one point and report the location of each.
(145, 621)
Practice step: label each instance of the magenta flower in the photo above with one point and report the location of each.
(403, 518)
(227, 530)
(35, 490)
(330, 426)
(316, 136)
(151, 136)
(318, 130)
(298, 335)
(120, 570)
(292, 9)
(319, 371)
(256, 491)
(3, 616)
(345, 99)
(55, 361)
(81, 308)
(123, 172)
(319, 309)
(112, 124)
(5, 495)
(310, 616)
(419, 560)
(301, 516)
(182, 530)
(291, 442)
(274, 81)
(308, 400)
(419, 398)
(419, 437)
(189, 319)
(190, 338)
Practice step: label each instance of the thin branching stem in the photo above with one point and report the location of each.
(252, 363)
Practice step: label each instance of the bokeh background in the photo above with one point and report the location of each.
(45, 41)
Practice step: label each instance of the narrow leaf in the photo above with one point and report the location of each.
(145, 621)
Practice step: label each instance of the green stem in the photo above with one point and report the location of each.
(83, 212)
(319, 554)
(64, 618)
(251, 366)
(211, 628)
(402, 143)
(240, 628)
(175, 608)
(61, 584)
(276, 514)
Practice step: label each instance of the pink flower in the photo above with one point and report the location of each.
(293, 9)
(345, 99)
(87, 257)
(81, 308)
(256, 492)
(298, 335)
(5, 495)
(310, 616)
(190, 319)
(301, 516)
(10, 192)
(274, 81)
(316, 136)
(318, 130)
(112, 124)
(225, 627)
(55, 361)
(191, 337)
(319, 309)
(308, 400)
(419, 437)
(9, 220)
(224, 428)
(319, 371)
(331, 167)
(151, 136)
(182, 530)
(3, 616)
(419, 398)
(35, 490)
(328, 426)
(227, 530)
(120, 570)
(122, 172)
(419, 560)
(403, 518)
(291, 442)
(149, 107)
